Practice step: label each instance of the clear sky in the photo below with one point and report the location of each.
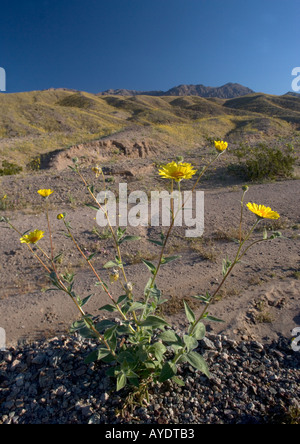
(94, 45)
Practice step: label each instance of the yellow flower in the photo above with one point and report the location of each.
(220, 145)
(45, 193)
(177, 171)
(97, 170)
(33, 237)
(114, 276)
(60, 216)
(263, 212)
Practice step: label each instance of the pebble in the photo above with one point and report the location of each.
(49, 383)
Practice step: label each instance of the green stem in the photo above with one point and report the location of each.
(169, 232)
(236, 261)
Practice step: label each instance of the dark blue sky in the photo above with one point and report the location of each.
(93, 45)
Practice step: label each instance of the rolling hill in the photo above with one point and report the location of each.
(39, 122)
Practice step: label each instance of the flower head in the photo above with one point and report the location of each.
(97, 170)
(262, 212)
(60, 216)
(45, 193)
(177, 171)
(114, 275)
(220, 145)
(33, 237)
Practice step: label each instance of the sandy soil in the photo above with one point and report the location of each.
(260, 300)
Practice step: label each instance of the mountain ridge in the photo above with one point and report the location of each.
(227, 91)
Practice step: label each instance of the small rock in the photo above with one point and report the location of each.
(15, 364)
(39, 359)
(208, 344)
(46, 378)
(81, 370)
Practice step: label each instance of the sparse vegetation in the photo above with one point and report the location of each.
(264, 162)
(9, 169)
(40, 122)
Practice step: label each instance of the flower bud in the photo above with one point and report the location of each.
(114, 275)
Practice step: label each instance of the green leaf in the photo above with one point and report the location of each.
(120, 232)
(121, 381)
(226, 265)
(97, 355)
(160, 244)
(128, 239)
(153, 321)
(276, 234)
(169, 336)
(108, 307)
(189, 313)
(153, 291)
(103, 325)
(136, 306)
(126, 356)
(199, 331)
(92, 207)
(110, 332)
(168, 371)
(190, 342)
(122, 298)
(91, 257)
(202, 298)
(110, 264)
(151, 267)
(212, 318)
(265, 234)
(166, 260)
(85, 300)
(198, 362)
(82, 329)
(91, 188)
(178, 381)
(159, 350)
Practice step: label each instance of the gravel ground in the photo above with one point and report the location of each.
(48, 383)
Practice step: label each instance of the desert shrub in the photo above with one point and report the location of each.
(264, 162)
(34, 164)
(9, 169)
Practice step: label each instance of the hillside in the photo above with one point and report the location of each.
(40, 122)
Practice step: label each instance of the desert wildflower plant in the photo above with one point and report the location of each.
(140, 347)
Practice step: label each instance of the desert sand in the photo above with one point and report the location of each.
(260, 300)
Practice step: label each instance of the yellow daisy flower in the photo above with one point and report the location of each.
(262, 212)
(33, 237)
(220, 145)
(60, 216)
(177, 171)
(45, 193)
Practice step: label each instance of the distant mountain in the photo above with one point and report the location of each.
(130, 92)
(293, 94)
(228, 91)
